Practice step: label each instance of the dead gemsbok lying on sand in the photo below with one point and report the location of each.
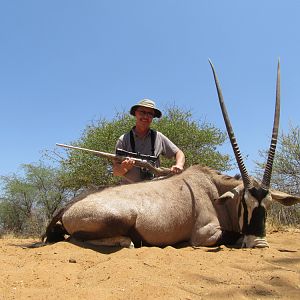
(199, 205)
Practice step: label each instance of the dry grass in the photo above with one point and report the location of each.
(273, 226)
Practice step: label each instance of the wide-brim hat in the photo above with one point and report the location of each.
(146, 103)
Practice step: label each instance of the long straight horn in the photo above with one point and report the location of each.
(235, 147)
(268, 170)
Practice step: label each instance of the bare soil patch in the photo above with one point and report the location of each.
(67, 271)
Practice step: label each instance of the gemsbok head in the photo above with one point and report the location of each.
(255, 197)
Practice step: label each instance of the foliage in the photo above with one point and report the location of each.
(285, 175)
(198, 142)
(29, 201)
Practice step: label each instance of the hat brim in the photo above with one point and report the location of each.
(157, 112)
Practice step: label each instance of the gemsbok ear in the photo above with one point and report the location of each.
(230, 195)
(284, 198)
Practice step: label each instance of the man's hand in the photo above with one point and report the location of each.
(176, 169)
(127, 164)
(120, 169)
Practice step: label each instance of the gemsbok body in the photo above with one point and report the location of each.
(199, 206)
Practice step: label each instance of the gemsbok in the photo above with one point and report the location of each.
(199, 206)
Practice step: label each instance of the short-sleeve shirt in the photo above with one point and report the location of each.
(163, 146)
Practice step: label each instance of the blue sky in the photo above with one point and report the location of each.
(64, 64)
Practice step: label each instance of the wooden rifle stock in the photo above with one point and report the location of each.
(142, 163)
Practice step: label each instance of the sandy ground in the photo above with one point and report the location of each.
(67, 271)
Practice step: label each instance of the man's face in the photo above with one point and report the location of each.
(144, 116)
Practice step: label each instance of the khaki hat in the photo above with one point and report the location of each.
(146, 103)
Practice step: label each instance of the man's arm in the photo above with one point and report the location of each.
(180, 161)
(170, 150)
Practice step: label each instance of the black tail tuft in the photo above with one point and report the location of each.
(55, 234)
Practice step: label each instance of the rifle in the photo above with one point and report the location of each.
(142, 163)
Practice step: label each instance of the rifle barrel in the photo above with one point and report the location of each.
(99, 153)
(139, 162)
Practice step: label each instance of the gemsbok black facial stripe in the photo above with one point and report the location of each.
(245, 216)
(258, 193)
(257, 224)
